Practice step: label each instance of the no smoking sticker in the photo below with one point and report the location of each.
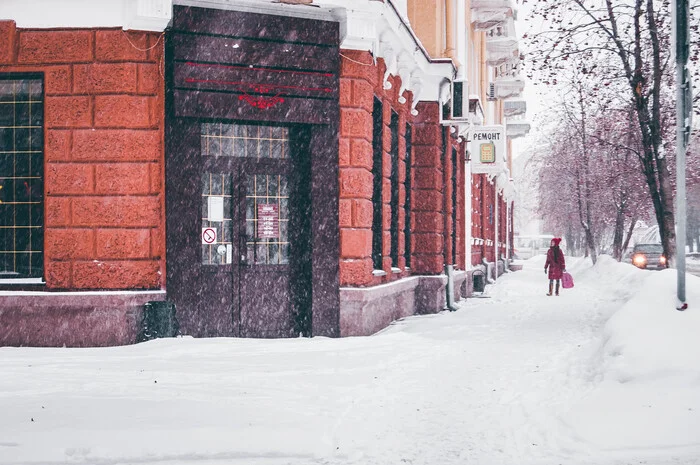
(208, 235)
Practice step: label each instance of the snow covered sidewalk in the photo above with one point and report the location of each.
(517, 378)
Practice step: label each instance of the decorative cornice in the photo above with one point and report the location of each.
(380, 28)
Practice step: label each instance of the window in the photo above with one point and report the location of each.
(267, 219)
(407, 202)
(265, 197)
(454, 206)
(239, 140)
(217, 246)
(21, 176)
(394, 180)
(378, 176)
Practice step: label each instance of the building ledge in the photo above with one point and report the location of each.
(517, 128)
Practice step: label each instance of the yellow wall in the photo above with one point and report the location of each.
(426, 17)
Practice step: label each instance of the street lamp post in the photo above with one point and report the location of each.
(683, 115)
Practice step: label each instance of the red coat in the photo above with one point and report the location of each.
(556, 268)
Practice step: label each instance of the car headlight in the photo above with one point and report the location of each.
(662, 260)
(639, 260)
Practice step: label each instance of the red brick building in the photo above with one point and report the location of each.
(394, 250)
(100, 92)
(272, 170)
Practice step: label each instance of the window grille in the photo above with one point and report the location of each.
(378, 176)
(21, 177)
(394, 181)
(408, 186)
(240, 140)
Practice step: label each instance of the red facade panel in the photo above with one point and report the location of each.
(103, 153)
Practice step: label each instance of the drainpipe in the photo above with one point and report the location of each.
(450, 31)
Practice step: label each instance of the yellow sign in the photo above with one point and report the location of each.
(487, 153)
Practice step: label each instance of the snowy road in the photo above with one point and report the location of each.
(510, 379)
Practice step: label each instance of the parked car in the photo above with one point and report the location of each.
(649, 256)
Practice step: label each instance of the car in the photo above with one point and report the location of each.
(648, 256)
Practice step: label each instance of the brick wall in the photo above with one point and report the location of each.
(483, 217)
(429, 232)
(104, 211)
(360, 82)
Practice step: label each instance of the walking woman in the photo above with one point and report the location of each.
(556, 264)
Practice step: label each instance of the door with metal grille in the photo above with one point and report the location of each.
(255, 240)
(264, 288)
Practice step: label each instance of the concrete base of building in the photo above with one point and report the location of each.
(72, 319)
(364, 311)
(460, 288)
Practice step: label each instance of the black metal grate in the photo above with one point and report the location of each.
(394, 182)
(21, 177)
(453, 232)
(378, 180)
(408, 187)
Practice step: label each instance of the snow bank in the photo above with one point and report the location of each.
(649, 393)
(647, 339)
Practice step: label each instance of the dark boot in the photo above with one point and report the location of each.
(557, 289)
(550, 289)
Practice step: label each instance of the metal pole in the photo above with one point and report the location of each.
(682, 125)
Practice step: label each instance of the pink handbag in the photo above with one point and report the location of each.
(567, 281)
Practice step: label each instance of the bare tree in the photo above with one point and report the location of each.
(626, 44)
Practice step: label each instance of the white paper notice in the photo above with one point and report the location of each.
(216, 208)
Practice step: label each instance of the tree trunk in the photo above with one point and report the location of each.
(618, 234)
(629, 235)
(590, 244)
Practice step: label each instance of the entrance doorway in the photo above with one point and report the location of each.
(254, 263)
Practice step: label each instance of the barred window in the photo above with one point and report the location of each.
(407, 201)
(240, 140)
(21, 176)
(453, 232)
(394, 182)
(378, 180)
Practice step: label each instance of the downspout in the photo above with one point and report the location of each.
(450, 51)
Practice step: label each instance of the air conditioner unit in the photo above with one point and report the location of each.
(460, 101)
(456, 110)
(491, 95)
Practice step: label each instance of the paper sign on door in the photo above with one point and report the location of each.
(215, 206)
(268, 220)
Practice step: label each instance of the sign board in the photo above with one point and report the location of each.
(208, 236)
(268, 221)
(487, 145)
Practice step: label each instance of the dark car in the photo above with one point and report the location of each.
(649, 256)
